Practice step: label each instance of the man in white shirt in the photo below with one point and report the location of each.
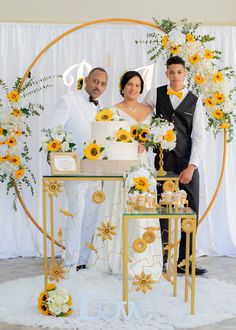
(181, 107)
(75, 113)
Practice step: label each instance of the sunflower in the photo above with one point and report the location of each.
(218, 114)
(17, 112)
(149, 236)
(106, 231)
(123, 136)
(134, 131)
(43, 308)
(19, 173)
(218, 77)
(13, 96)
(53, 187)
(169, 136)
(174, 50)
(141, 183)
(11, 142)
(54, 145)
(208, 54)
(143, 282)
(169, 185)
(142, 135)
(190, 37)
(80, 82)
(56, 271)
(209, 102)
(194, 59)
(3, 131)
(198, 78)
(139, 245)
(50, 286)
(187, 225)
(92, 151)
(219, 98)
(18, 132)
(43, 297)
(164, 41)
(16, 160)
(104, 115)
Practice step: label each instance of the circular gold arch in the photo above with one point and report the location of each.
(53, 42)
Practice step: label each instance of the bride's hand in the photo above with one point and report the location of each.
(141, 147)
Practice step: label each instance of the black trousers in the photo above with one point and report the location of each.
(175, 164)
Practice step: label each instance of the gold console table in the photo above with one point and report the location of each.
(188, 218)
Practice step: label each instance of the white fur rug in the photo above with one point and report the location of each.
(215, 301)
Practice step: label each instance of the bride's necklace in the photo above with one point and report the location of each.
(133, 110)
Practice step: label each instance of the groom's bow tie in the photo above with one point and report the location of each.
(92, 100)
(172, 92)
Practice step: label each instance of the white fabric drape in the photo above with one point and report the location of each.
(113, 47)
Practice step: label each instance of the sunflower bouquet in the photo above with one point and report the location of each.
(161, 133)
(94, 151)
(55, 301)
(56, 140)
(140, 132)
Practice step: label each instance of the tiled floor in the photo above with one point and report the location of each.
(223, 268)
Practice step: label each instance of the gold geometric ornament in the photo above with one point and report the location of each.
(139, 245)
(56, 271)
(149, 236)
(188, 225)
(169, 185)
(67, 213)
(106, 231)
(98, 197)
(143, 282)
(53, 187)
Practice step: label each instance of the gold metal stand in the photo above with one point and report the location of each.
(161, 171)
(172, 216)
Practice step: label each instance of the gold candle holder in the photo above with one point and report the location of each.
(161, 171)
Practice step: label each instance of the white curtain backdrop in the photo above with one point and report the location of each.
(113, 47)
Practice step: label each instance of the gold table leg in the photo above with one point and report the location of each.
(125, 262)
(175, 257)
(45, 237)
(187, 266)
(193, 267)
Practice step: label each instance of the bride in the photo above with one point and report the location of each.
(106, 251)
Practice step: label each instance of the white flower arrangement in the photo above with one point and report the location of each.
(55, 301)
(56, 140)
(205, 76)
(161, 133)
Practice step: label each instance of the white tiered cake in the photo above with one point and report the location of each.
(120, 155)
(101, 130)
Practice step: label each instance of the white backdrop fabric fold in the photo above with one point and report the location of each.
(113, 47)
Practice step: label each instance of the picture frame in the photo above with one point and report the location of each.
(64, 163)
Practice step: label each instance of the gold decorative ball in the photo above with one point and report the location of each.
(98, 197)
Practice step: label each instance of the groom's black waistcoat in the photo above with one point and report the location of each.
(181, 117)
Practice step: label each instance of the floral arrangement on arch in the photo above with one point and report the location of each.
(15, 109)
(55, 301)
(161, 134)
(205, 77)
(56, 140)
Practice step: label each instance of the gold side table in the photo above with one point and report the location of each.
(188, 218)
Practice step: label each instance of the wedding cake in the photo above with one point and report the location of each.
(119, 150)
(104, 133)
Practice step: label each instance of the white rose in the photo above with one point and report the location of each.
(65, 146)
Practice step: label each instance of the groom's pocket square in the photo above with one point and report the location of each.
(187, 113)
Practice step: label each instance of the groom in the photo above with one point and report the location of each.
(75, 113)
(176, 104)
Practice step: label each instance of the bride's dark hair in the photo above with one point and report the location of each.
(126, 77)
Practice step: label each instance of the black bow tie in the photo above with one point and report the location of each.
(92, 100)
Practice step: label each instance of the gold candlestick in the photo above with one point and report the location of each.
(161, 171)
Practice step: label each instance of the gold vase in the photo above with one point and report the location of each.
(161, 171)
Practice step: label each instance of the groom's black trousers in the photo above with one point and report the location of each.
(172, 163)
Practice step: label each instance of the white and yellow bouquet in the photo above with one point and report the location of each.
(56, 140)
(162, 134)
(94, 151)
(55, 301)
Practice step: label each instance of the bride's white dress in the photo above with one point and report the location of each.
(106, 254)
